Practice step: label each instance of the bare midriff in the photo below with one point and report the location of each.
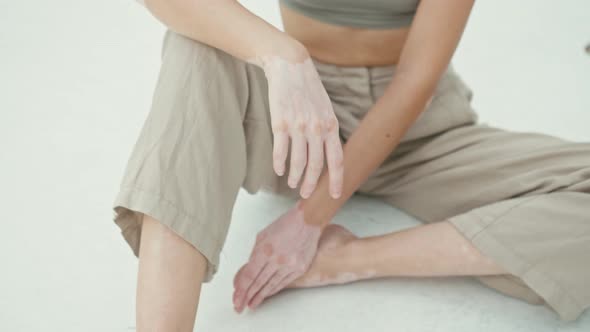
(345, 46)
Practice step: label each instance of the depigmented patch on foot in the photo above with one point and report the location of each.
(346, 277)
(314, 280)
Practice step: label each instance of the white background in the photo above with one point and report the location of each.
(76, 79)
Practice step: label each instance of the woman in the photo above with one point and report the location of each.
(368, 87)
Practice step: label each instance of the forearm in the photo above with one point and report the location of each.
(228, 26)
(374, 139)
(433, 37)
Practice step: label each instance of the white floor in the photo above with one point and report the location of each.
(76, 78)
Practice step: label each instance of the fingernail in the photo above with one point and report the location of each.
(336, 194)
(278, 169)
(305, 194)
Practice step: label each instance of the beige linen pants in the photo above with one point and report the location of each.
(522, 199)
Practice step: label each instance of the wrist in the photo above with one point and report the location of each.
(293, 51)
(320, 208)
(288, 50)
(315, 214)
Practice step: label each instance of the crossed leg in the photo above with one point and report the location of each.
(507, 208)
(436, 249)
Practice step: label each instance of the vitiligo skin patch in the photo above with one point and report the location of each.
(282, 253)
(302, 113)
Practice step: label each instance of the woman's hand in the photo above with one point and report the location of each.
(299, 105)
(283, 252)
(301, 111)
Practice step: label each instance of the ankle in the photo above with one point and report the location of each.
(352, 257)
(362, 258)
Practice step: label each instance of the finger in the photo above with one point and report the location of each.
(315, 164)
(268, 288)
(236, 278)
(240, 284)
(334, 157)
(247, 275)
(298, 159)
(280, 150)
(265, 275)
(285, 282)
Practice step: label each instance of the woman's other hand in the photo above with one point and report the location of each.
(282, 253)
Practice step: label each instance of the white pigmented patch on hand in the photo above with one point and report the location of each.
(285, 248)
(299, 102)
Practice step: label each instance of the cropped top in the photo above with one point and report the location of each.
(372, 14)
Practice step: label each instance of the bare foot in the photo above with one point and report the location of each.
(333, 263)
